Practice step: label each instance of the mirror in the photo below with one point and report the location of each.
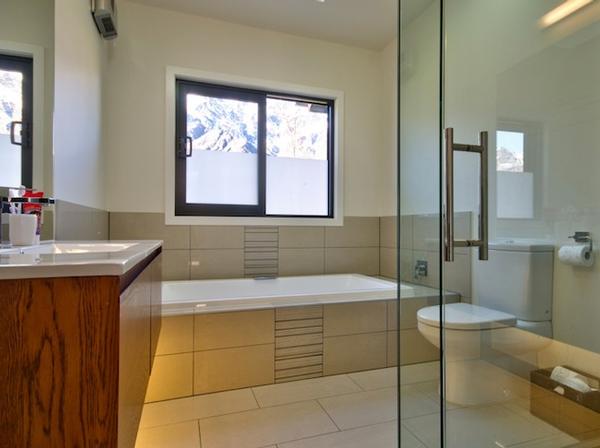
(26, 93)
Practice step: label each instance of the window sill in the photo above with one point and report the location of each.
(244, 221)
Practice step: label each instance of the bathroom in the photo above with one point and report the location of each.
(299, 223)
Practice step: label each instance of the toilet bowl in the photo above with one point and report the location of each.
(469, 331)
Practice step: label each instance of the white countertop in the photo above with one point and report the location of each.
(74, 259)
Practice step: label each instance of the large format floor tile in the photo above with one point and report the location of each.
(417, 373)
(558, 441)
(180, 435)
(276, 394)
(362, 408)
(194, 408)
(482, 427)
(377, 436)
(266, 426)
(376, 379)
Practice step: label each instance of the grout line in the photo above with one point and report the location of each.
(327, 413)
(258, 406)
(199, 432)
(357, 384)
(403, 427)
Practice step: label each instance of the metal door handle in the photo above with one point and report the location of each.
(449, 242)
(186, 147)
(13, 140)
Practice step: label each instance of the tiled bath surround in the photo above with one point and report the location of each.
(341, 338)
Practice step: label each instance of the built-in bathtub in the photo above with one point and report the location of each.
(226, 334)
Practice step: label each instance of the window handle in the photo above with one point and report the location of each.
(449, 242)
(13, 139)
(186, 147)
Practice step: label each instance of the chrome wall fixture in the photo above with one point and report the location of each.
(449, 242)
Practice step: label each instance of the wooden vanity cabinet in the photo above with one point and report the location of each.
(75, 357)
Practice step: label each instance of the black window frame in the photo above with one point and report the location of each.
(24, 65)
(183, 208)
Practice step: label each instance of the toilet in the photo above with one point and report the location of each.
(511, 314)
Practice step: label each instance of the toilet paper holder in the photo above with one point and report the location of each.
(583, 237)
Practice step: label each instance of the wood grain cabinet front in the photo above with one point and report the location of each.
(75, 357)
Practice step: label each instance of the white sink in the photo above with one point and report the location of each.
(71, 248)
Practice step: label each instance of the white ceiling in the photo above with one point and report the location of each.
(369, 24)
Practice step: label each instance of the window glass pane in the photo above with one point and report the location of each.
(11, 109)
(509, 152)
(297, 152)
(223, 168)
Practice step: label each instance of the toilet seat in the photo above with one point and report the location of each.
(464, 316)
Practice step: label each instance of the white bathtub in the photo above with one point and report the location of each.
(205, 296)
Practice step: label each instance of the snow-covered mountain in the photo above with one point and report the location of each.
(507, 160)
(10, 99)
(293, 129)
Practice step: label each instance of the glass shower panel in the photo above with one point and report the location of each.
(419, 220)
(522, 345)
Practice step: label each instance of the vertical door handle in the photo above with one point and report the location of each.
(186, 147)
(13, 139)
(449, 242)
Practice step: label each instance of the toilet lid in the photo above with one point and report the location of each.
(464, 316)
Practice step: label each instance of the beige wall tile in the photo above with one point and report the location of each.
(388, 231)
(176, 335)
(175, 264)
(353, 353)
(392, 314)
(392, 348)
(363, 260)
(236, 329)
(78, 222)
(299, 340)
(414, 348)
(353, 318)
(171, 377)
(299, 312)
(233, 368)
(301, 261)
(148, 226)
(301, 237)
(387, 262)
(356, 232)
(426, 230)
(406, 231)
(217, 263)
(406, 265)
(217, 237)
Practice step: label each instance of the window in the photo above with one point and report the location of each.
(518, 149)
(251, 153)
(510, 151)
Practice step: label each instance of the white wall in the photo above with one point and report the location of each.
(152, 39)
(31, 22)
(78, 150)
(389, 120)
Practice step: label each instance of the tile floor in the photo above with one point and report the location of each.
(351, 411)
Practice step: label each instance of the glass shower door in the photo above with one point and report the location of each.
(520, 151)
(419, 221)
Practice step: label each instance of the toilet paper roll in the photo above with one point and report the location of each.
(576, 255)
